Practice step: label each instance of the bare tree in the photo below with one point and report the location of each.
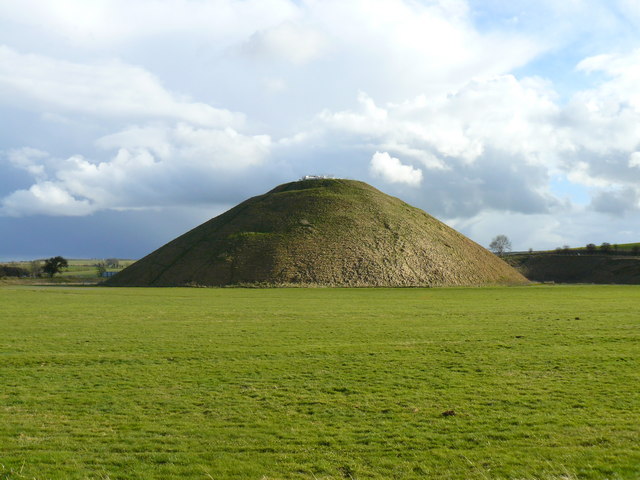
(500, 245)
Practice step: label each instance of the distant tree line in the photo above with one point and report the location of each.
(13, 271)
(36, 268)
(603, 249)
(590, 249)
(21, 269)
(50, 267)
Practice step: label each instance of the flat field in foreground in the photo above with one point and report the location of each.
(320, 383)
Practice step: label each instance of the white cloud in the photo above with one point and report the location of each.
(498, 112)
(602, 128)
(153, 166)
(505, 138)
(616, 201)
(392, 170)
(398, 48)
(28, 159)
(102, 22)
(622, 89)
(630, 10)
(573, 226)
(537, 231)
(493, 143)
(45, 198)
(490, 144)
(369, 120)
(291, 42)
(274, 85)
(221, 149)
(105, 89)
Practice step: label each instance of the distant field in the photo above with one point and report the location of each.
(87, 268)
(628, 246)
(620, 247)
(78, 269)
(106, 383)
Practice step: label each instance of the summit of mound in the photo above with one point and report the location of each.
(329, 232)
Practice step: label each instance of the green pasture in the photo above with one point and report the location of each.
(79, 270)
(107, 383)
(628, 246)
(86, 268)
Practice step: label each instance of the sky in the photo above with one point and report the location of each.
(125, 124)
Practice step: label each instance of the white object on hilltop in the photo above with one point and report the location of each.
(316, 177)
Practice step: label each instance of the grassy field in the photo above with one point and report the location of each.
(107, 383)
(79, 270)
(87, 267)
(627, 246)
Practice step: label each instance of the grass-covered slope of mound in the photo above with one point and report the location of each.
(320, 232)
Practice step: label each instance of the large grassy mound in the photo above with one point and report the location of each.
(320, 232)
